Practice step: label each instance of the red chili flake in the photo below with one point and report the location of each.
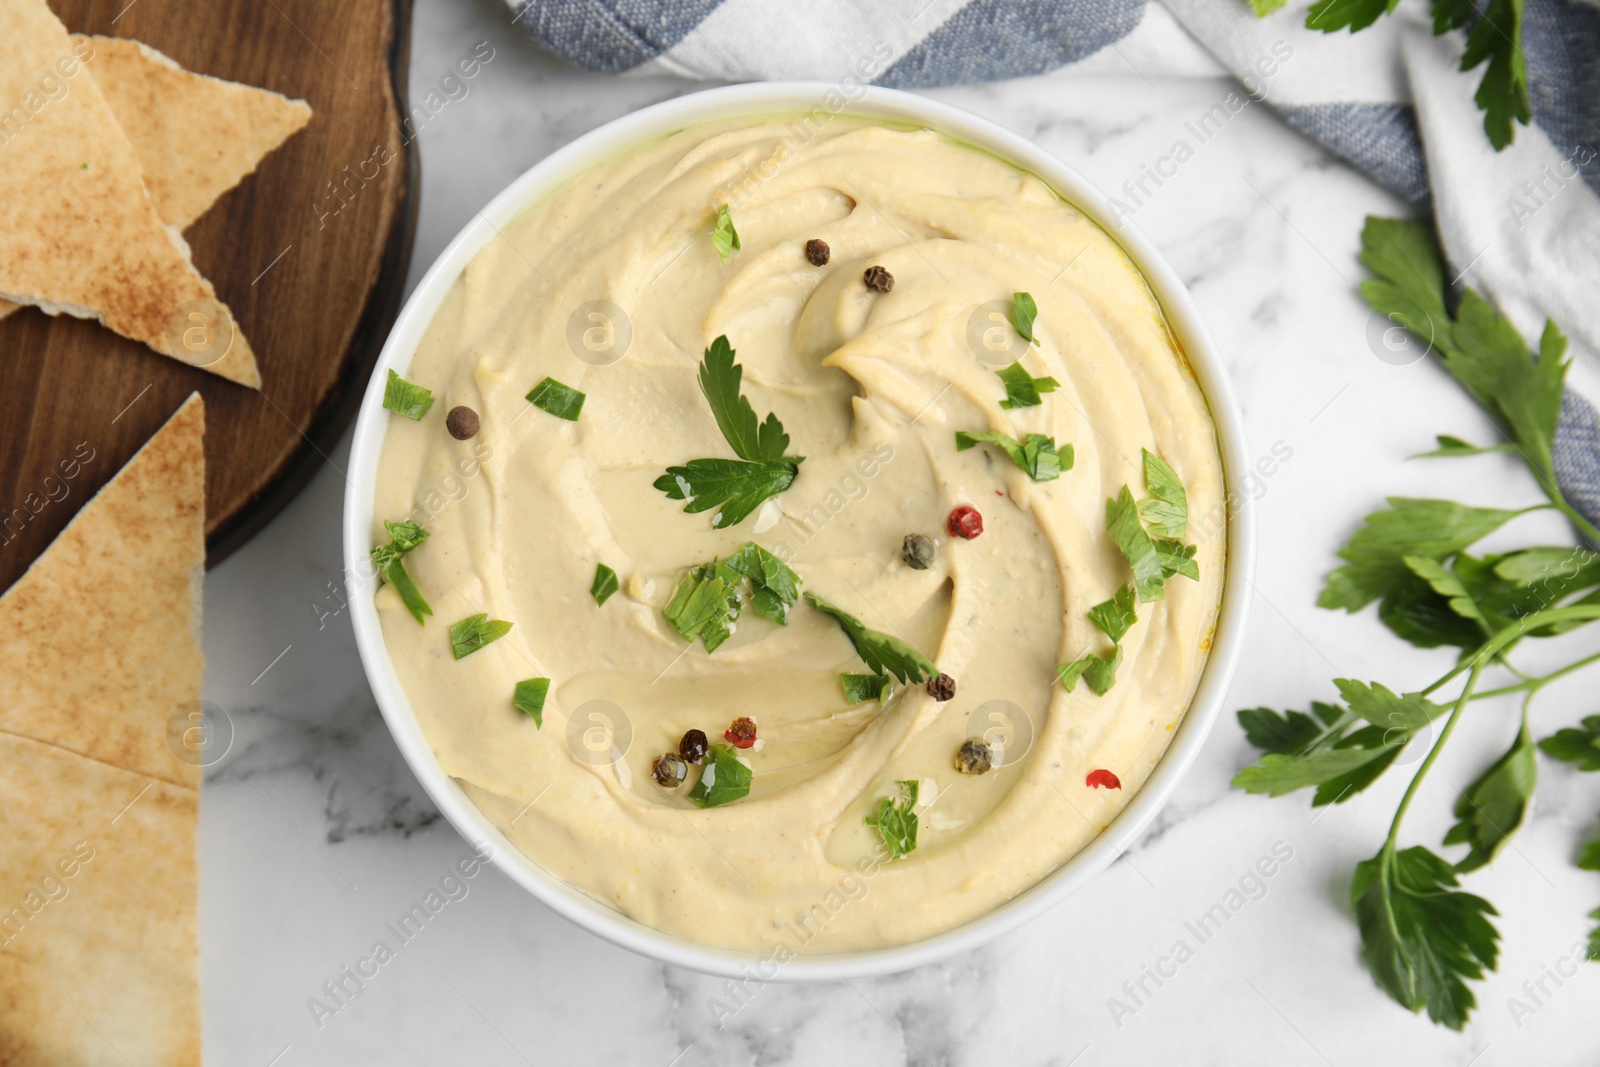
(965, 523)
(742, 734)
(1102, 779)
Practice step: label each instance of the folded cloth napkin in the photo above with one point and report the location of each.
(1521, 225)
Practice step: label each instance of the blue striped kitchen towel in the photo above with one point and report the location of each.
(1521, 225)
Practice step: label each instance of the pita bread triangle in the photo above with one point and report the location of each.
(196, 136)
(99, 642)
(99, 638)
(78, 232)
(159, 105)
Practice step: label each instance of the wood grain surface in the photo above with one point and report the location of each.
(310, 252)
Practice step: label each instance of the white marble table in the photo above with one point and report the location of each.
(314, 833)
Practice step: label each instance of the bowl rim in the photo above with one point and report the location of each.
(753, 101)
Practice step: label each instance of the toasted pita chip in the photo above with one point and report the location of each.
(98, 641)
(99, 957)
(196, 136)
(98, 881)
(78, 232)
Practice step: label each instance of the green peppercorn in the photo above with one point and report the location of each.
(917, 551)
(974, 757)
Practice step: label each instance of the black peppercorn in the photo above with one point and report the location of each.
(941, 687)
(917, 551)
(878, 279)
(462, 422)
(974, 757)
(693, 746)
(817, 252)
(669, 771)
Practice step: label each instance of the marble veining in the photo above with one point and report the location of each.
(315, 835)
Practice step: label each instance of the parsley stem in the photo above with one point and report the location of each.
(1533, 685)
(1491, 648)
(1585, 527)
(1433, 753)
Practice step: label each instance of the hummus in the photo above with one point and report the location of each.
(611, 285)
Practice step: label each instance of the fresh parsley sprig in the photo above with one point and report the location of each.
(1495, 36)
(763, 470)
(1423, 937)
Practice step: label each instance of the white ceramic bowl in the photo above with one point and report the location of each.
(747, 101)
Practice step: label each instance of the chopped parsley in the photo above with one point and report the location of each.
(734, 486)
(896, 821)
(403, 537)
(1023, 313)
(1115, 616)
(709, 598)
(883, 653)
(1166, 513)
(1036, 454)
(475, 631)
(406, 398)
(774, 586)
(1099, 673)
(860, 688)
(725, 778)
(528, 698)
(724, 238)
(605, 583)
(1022, 388)
(562, 401)
(1122, 524)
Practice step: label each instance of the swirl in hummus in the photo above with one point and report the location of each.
(871, 387)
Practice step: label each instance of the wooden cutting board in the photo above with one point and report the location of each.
(310, 252)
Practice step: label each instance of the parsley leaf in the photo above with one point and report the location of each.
(881, 652)
(1331, 15)
(562, 401)
(404, 536)
(1023, 313)
(705, 604)
(1502, 95)
(1263, 8)
(775, 587)
(725, 778)
(1491, 808)
(1333, 753)
(1167, 512)
(1116, 615)
(724, 238)
(475, 631)
(1177, 559)
(860, 688)
(605, 583)
(896, 820)
(1579, 746)
(707, 600)
(1290, 733)
(1036, 454)
(1455, 446)
(406, 398)
(1099, 673)
(1022, 388)
(529, 696)
(721, 380)
(1481, 349)
(737, 486)
(1420, 936)
(1376, 555)
(1122, 523)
